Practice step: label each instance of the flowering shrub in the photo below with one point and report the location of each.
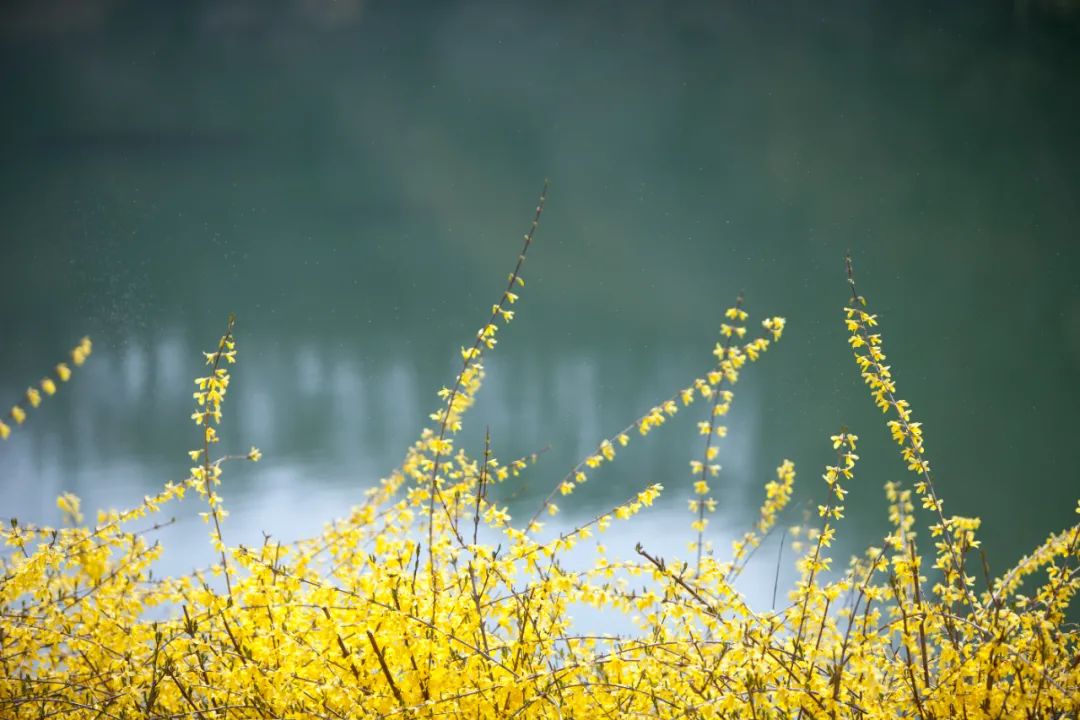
(429, 600)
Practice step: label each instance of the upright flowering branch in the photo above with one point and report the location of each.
(461, 396)
(730, 358)
(47, 385)
(833, 509)
(209, 397)
(908, 435)
(721, 401)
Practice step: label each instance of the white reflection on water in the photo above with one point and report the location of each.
(172, 359)
(309, 371)
(135, 369)
(575, 394)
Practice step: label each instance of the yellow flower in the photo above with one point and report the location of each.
(78, 355)
(69, 505)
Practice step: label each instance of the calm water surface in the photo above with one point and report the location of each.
(354, 185)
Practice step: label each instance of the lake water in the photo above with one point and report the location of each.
(352, 180)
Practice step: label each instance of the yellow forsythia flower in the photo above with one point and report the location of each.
(69, 504)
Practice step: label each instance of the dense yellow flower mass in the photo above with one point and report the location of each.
(428, 600)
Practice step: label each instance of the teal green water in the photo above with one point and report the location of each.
(354, 187)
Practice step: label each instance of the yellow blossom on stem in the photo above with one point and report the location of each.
(33, 395)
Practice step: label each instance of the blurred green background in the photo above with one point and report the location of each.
(352, 180)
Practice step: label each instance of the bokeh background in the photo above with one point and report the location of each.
(352, 180)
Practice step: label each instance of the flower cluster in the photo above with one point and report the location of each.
(777, 497)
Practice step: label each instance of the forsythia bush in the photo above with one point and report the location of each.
(428, 600)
